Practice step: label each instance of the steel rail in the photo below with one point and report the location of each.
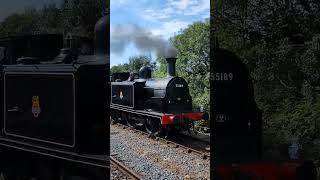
(133, 175)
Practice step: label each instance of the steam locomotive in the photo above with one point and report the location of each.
(54, 115)
(237, 128)
(159, 105)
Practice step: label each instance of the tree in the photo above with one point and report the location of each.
(76, 17)
(136, 62)
(50, 21)
(134, 65)
(192, 63)
(279, 43)
(80, 16)
(20, 24)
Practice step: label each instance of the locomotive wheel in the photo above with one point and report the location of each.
(130, 122)
(114, 118)
(152, 125)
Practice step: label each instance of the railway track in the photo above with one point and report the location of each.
(128, 172)
(155, 157)
(187, 146)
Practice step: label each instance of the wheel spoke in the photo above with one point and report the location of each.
(152, 125)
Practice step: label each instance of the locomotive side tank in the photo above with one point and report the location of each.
(56, 105)
(54, 115)
(158, 104)
(59, 104)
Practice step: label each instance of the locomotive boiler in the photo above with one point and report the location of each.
(54, 115)
(157, 104)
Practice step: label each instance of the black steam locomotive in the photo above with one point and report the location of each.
(54, 115)
(237, 127)
(36, 46)
(159, 105)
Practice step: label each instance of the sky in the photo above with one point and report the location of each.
(8, 7)
(159, 19)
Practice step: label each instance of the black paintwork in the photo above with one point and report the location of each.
(55, 121)
(81, 126)
(236, 117)
(69, 115)
(145, 72)
(44, 46)
(129, 94)
(167, 95)
(171, 66)
(122, 76)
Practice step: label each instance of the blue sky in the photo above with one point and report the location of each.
(160, 18)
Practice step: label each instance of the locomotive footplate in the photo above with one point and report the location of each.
(183, 118)
(291, 169)
(100, 161)
(166, 119)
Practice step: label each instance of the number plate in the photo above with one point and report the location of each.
(222, 76)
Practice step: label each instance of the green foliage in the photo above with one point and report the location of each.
(192, 64)
(161, 71)
(17, 24)
(193, 60)
(279, 43)
(50, 19)
(78, 18)
(135, 63)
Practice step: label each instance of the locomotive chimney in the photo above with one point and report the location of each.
(102, 36)
(171, 57)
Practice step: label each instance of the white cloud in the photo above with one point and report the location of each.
(179, 4)
(178, 7)
(170, 28)
(203, 6)
(153, 15)
(118, 3)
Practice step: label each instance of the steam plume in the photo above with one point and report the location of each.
(144, 40)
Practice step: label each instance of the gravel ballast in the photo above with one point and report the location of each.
(116, 174)
(154, 159)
